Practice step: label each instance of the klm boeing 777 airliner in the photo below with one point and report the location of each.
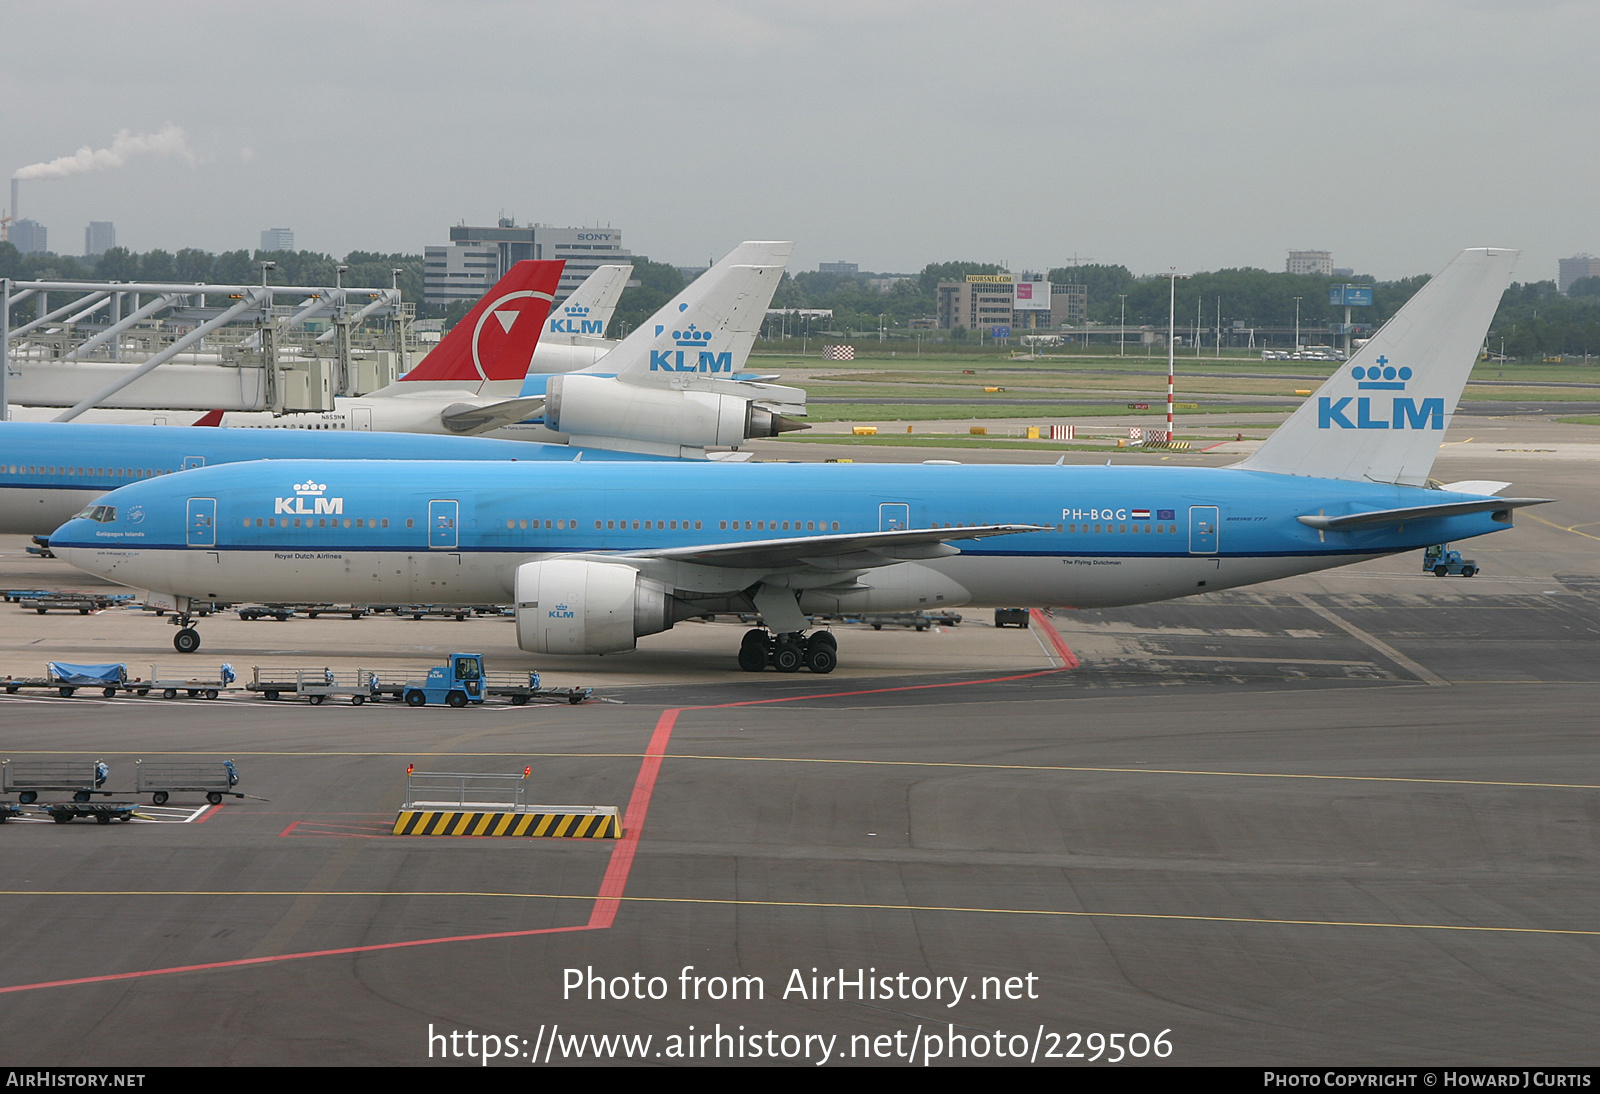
(594, 556)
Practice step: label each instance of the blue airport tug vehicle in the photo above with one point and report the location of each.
(1439, 560)
(456, 684)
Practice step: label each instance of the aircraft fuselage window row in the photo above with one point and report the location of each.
(685, 525)
(322, 522)
(85, 472)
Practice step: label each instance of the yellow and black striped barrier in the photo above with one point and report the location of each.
(586, 822)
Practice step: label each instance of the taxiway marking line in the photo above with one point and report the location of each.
(1060, 913)
(1425, 675)
(1561, 527)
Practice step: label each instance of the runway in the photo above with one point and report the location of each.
(1347, 818)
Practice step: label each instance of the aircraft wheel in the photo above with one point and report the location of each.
(187, 640)
(822, 658)
(823, 638)
(456, 699)
(787, 657)
(754, 637)
(753, 658)
(159, 797)
(416, 699)
(1440, 571)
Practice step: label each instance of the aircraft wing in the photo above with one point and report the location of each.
(471, 418)
(847, 551)
(1417, 512)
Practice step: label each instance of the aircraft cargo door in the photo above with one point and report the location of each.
(202, 522)
(1203, 529)
(442, 525)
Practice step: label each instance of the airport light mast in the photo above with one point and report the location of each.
(1172, 313)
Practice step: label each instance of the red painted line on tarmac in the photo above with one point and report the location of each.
(289, 829)
(243, 961)
(1063, 651)
(207, 815)
(616, 879)
(1219, 444)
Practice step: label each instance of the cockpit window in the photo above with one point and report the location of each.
(105, 514)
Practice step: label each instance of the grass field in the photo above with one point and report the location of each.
(915, 412)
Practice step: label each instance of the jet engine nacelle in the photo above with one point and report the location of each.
(574, 606)
(603, 406)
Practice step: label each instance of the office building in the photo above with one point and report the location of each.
(1311, 262)
(29, 237)
(477, 257)
(99, 237)
(1583, 265)
(277, 239)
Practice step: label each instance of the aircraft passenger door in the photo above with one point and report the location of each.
(894, 516)
(361, 418)
(193, 461)
(1203, 529)
(442, 517)
(202, 522)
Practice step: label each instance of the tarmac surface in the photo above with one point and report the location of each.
(1348, 818)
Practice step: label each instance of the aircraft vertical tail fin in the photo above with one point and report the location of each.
(1382, 415)
(497, 338)
(710, 327)
(587, 312)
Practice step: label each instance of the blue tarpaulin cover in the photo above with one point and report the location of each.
(88, 675)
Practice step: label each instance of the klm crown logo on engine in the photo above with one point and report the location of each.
(689, 339)
(1371, 412)
(311, 492)
(574, 319)
(561, 611)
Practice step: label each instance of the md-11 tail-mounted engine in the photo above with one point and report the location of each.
(573, 606)
(592, 409)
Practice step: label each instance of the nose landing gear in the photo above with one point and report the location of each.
(788, 652)
(187, 640)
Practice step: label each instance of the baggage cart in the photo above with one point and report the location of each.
(162, 779)
(102, 812)
(81, 778)
(316, 686)
(67, 679)
(195, 687)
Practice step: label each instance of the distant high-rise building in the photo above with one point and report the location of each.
(1311, 262)
(478, 257)
(849, 269)
(29, 237)
(1583, 265)
(277, 239)
(99, 237)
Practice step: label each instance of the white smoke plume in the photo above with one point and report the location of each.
(169, 141)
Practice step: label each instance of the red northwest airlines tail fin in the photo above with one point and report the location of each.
(497, 338)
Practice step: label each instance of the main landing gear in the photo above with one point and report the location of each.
(187, 640)
(788, 652)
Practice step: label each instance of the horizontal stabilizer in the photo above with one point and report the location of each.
(1475, 486)
(469, 418)
(1420, 512)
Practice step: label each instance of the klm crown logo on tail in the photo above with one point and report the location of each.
(1374, 411)
(689, 340)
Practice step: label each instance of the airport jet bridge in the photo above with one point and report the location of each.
(282, 348)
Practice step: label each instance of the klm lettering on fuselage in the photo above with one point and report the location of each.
(1401, 413)
(308, 492)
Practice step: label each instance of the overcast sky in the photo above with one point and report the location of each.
(1192, 134)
